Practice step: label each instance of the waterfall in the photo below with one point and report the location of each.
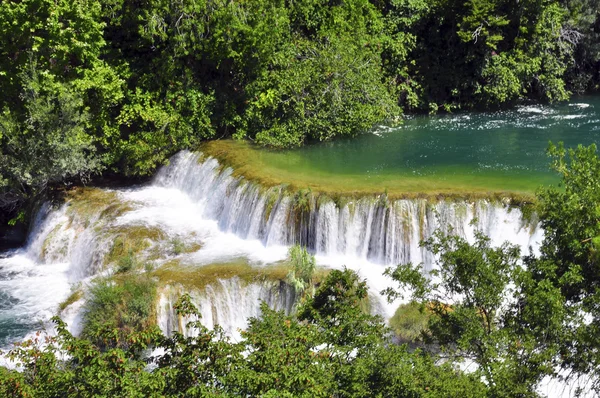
(373, 229)
(228, 218)
(228, 303)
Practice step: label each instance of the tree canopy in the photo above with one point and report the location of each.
(118, 86)
(332, 348)
(519, 317)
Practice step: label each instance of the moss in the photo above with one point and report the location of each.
(323, 200)
(182, 246)
(365, 304)
(340, 201)
(198, 277)
(422, 208)
(131, 240)
(87, 202)
(251, 163)
(405, 221)
(75, 296)
(49, 238)
(383, 201)
(409, 322)
(302, 200)
(272, 196)
(461, 209)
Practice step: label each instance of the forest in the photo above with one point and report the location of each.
(115, 87)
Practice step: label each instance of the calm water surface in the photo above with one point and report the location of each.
(508, 147)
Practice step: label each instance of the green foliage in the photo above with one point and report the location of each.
(520, 323)
(467, 294)
(153, 127)
(582, 29)
(75, 296)
(486, 54)
(196, 366)
(88, 371)
(320, 354)
(303, 266)
(51, 145)
(409, 322)
(568, 265)
(51, 70)
(117, 308)
(122, 85)
(317, 92)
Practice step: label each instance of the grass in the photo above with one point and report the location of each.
(75, 296)
(264, 167)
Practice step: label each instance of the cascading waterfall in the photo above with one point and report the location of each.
(376, 230)
(36, 278)
(196, 198)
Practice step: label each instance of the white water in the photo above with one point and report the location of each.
(230, 303)
(369, 230)
(36, 278)
(232, 219)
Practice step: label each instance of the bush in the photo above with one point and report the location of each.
(409, 322)
(117, 308)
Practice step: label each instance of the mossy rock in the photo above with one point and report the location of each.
(87, 202)
(75, 296)
(49, 240)
(174, 272)
(131, 240)
(180, 245)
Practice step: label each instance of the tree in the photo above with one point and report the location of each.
(582, 30)
(469, 296)
(320, 354)
(56, 88)
(200, 364)
(50, 144)
(569, 261)
(520, 323)
(317, 92)
(482, 53)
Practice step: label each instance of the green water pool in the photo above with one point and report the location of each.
(475, 153)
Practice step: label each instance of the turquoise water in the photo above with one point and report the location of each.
(506, 147)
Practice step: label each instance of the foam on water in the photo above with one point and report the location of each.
(580, 105)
